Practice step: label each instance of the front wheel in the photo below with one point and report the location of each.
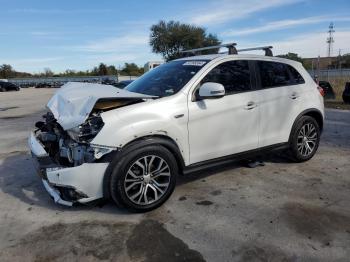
(305, 139)
(144, 178)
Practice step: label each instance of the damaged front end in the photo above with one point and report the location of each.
(72, 170)
(71, 167)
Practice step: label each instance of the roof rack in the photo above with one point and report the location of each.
(267, 49)
(231, 49)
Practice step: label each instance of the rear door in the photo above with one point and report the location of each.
(281, 89)
(228, 125)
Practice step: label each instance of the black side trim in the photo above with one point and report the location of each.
(233, 158)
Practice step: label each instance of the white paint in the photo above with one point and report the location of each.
(73, 102)
(208, 129)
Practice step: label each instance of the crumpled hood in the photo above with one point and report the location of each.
(73, 102)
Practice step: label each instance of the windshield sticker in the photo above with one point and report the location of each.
(194, 63)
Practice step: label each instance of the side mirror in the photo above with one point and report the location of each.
(211, 90)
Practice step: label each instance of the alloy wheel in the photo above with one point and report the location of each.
(147, 180)
(307, 139)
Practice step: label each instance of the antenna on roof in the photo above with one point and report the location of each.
(231, 48)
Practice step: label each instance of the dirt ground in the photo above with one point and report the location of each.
(278, 212)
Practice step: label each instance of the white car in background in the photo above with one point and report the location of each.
(129, 145)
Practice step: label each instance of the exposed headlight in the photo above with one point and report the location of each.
(87, 131)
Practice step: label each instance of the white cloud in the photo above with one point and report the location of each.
(28, 61)
(284, 24)
(307, 45)
(28, 64)
(227, 10)
(116, 44)
(312, 45)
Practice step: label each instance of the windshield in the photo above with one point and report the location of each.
(166, 79)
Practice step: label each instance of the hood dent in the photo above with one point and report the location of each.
(73, 102)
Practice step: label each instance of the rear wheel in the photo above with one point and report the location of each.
(304, 139)
(144, 178)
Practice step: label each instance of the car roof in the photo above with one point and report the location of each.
(239, 56)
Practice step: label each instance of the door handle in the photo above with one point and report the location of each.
(250, 105)
(294, 95)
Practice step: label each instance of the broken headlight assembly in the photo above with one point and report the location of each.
(88, 130)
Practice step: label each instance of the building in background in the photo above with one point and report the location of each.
(152, 64)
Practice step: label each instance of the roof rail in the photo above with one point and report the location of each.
(267, 49)
(231, 49)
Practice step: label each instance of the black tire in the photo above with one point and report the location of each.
(2, 89)
(303, 149)
(120, 172)
(346, 99)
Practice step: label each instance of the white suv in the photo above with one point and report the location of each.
(129, 145)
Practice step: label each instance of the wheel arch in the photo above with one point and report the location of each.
(312, 112)
(162, 140)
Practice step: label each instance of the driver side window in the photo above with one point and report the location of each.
(233, 75)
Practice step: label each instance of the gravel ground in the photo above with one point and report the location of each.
(279, 212)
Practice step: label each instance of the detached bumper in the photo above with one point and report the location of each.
(67, 185)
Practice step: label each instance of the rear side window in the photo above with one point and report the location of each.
(298, 79)
(273, 74)
(233, 75)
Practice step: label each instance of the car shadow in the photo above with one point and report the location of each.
(272, 157)
(18, 179)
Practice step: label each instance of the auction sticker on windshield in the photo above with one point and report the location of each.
(194, 63)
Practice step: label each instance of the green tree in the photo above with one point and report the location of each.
(48, 72)
(296, 57)
(342, 61)
(102, 69)
(6, 71)
(112, 70)
(169, 38)
(292, 56)
(131, 69)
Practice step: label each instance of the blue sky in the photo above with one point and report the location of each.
(80, 34)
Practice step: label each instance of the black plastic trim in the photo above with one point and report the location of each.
(233, 158)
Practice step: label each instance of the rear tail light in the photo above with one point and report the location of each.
(320, 89)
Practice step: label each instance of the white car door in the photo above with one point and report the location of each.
(279, 101)
(223, 126)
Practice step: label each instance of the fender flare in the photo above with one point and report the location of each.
(313, 112)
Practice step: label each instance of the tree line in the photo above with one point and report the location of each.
(129, 69)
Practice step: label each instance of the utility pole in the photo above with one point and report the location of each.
(330, 39)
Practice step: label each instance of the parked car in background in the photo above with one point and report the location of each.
(108, 82)
(346, 93)
(26, 85)
(123, 84)
(7, 86)
(43, 85)
(328, 89)
(56, 85)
